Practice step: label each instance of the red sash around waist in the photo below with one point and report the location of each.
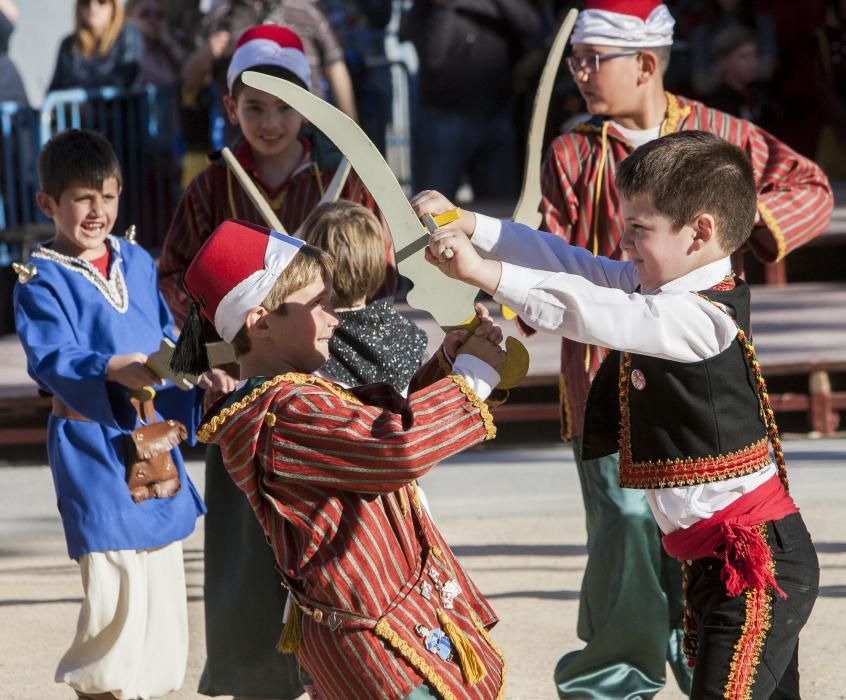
(731, 535)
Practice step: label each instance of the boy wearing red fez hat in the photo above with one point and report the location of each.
(380, 607)
(240, 584)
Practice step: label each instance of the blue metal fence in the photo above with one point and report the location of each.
(18, 153)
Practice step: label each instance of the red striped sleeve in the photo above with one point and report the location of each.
(324, 439)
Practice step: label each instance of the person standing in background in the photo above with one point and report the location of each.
(467, 50)
(103, 50)
(162, 54)
(11, 86)
(360, 25)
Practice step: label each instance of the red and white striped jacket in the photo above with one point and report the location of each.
(582, 205)
(330, 474)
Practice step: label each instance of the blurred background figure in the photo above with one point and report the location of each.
(797, 92)
(740, 92)
(831, 152)
(716, 16)
(465, 125)
(11, 86)
(361, 27)
(103, 49)
(163, 56)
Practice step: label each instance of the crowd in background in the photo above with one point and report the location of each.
(779, 63)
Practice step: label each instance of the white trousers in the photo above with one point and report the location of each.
(132, 634)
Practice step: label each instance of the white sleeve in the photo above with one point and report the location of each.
(520, 245)
(479, 375)
(673, 325)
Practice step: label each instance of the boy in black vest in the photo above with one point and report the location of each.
(681, 396)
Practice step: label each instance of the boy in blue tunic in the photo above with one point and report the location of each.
(88, 313)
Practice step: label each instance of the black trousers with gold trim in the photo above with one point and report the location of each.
(748, 645)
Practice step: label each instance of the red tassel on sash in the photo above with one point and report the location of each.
(730, 535)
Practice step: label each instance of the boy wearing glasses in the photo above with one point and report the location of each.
(620, 51)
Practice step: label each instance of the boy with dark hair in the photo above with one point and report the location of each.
(680, 395)
(244, 600)
(620, 50)
(373, 343)
(381, 607)
(88, 313)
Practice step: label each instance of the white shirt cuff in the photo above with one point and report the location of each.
(515, 282)
(486, 234)
(479, 375)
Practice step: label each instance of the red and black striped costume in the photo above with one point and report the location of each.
(331, 477)
(582, 205)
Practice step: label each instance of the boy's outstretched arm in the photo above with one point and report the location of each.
(521, 246)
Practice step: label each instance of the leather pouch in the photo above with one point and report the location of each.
(151, 471)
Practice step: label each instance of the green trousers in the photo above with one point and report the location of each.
(630, 604)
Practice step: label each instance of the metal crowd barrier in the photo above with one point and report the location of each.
(142, 125)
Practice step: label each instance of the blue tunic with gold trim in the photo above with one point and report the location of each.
(71, 320)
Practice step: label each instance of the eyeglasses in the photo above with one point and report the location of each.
(590, 64)
(87, 3)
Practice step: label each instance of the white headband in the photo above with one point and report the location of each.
(266, 52)
(252, 291)
(605, 28)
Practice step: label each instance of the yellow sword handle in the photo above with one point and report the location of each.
(433, 222)
(516, 365)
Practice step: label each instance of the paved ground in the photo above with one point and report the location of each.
(515, 518)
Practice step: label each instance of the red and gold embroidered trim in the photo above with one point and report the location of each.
(473, 398)
(688, 471)
(384, 630)
(210, 427)
(690, 640)
(747, 649)
(667, 473)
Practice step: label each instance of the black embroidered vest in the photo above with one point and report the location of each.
(680, 423)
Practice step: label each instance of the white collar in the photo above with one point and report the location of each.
(703, 277)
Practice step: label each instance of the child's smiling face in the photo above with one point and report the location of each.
(83, 216)
(269, 125)
(300, 332)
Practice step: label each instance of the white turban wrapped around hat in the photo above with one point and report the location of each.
(600, 26)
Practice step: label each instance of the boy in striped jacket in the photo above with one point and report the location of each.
(240, 584)
(381, 607)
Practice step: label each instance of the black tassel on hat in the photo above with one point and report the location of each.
(189, 355)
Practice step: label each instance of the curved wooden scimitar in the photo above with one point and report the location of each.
(446, 299)
(526, 211)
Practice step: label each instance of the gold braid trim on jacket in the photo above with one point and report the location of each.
(204, 434)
